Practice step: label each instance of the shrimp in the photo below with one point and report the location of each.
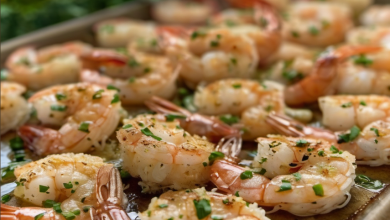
(14, 108)
(181, 205)
(209, 55)
(289, 51)
(376, 15)
(316, 181)
(144, 75)
(195, 124)
(344, 111)
(87, 114)
(69, 183)
(263, 26)
(163, 154)
(370, 146)
(331, 74)
(120, 32)
(373, 36)
(260, 100)
(37, 69)
(183, 12)
(317, 24)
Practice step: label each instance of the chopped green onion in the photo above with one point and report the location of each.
(43, 188)
(302, 143)
(48, 203)
(297, 176)
(318, 190)
(163, 206)
(202, 207)
(111, 87)
(60, 96)
(171, 117)
(39, 216)
(354, 133)
(363, 103)
(321, 153)
(237, 194)
(5, 198)
(346, 105)
(367, 182)
(215, 155)
(59, 108)
(246, 175)
(115, 99)
(98, 94)
(229, 119)
(286, 185)
(376, 131)
(362, 60)
(127, 126)
(84, 127)
(68, 185)
(237, 85)
(334, 149)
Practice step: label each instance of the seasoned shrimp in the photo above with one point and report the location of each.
(209, 55)
(260, 100)
(318, 24)
(119, 32)
(289, 51)
(37, 69)
(343, 112)
(212, 128)
(181, 205)
(333, 74)
(316, 181)
(373, 36)
(163, 154)
(144, 75)
(14, 108)
(183, 12)
(87, 115)
(370, 146)
(69, 183)
(376, 15)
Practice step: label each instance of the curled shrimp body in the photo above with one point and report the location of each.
(73, 181)
(86, 114)
(163, 154)
(376, 15)
(317, 23)
(370, 146)
(210, 127)
(144, 75)
(343, 112)
(373, 36)
(183, 12)
(333, 73)
(226, 97)
(209, 55)
(181, 206)
(37, 69)
(120, 32)
(315, 184)
(14, 108)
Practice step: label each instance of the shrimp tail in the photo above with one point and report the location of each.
(230, 146)
(105, 56)
(109, 193)
(163, 106)
(290, 127)
(321, 80)
(32, 134)
(170, 35)
(27, 213)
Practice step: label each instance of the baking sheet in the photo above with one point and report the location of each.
(364, 204)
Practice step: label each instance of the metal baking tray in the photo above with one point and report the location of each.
(365, 204)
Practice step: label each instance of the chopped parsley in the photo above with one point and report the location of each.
(147, 132)
(215, 155)
(115, 99)
(60, 96)
(318, 189)
(246, 175)
(376, 131)
(68, 185)
(334, 149)
(362, 60)
(236, 85)
(363, 103)
(229, 119)
(346, 105)
(59, 108)
(367, 182)
(302, 143)
(286, 185)
(354, 133)
(84, 127)
(127, 126)
(297, 176)
(5, 198)
(163, 206)
(39, 216)
(202, 207)
(98, 94)
(43, 188)
(171, 117)
(314, 30)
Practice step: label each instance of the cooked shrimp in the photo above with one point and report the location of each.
(37, 69)
(318, 24)
(376, 15)
(315, 182)
(87, 114)
(119, 32)
(373, 36)
(14, 108)
(163, 154)
(206, 56)
(70, 182)
(181, 205)
(370, 146)
(262, 25)
(260, 99)
(289, 51)
(196, 124)
(144, 75)
(183, 12)
(343, 112)
(331, 74)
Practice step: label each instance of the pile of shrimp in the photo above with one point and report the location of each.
(172, 102)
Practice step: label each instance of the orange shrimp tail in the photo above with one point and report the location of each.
(8, 212)
(170, 34)
(27, 213)
(347, 51)
(109, 192)
(39, 139)
(105, 57)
